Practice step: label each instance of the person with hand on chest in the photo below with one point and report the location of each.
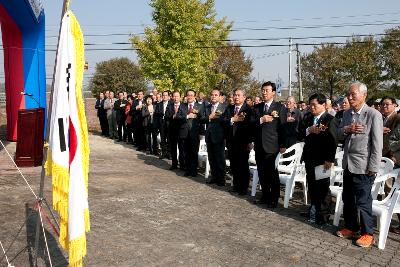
(174, 125)
(390, 121)
(318, 129)
(119, 107)
(269, 140)
(190, 114)
(238, 119)
(215, 138)
(161, 124)
(361, 129)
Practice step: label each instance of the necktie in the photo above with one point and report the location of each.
(266, 107)
(236, 110)
(176, 108)
(190, 108)
(214, 108)
(315, 120)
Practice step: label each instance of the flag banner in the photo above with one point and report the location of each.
(68, 154)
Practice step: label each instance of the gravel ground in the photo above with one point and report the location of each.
(145, 215)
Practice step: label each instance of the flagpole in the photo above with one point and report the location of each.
(45, 148)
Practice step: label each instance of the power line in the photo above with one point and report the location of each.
(294, 27)
(257, 39)
(361, 24)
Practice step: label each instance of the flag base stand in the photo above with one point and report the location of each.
(38, 207)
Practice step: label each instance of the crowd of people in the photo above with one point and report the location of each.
(237, 123)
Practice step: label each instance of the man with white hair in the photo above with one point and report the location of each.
(361, 129)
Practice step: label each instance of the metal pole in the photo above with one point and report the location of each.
(290, 66)
(43, 172)
(299, 73)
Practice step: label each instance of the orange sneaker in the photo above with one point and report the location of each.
(365, 241)
(345, 233)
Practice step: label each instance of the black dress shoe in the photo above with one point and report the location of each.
(186, 174)
(233, 191)
(193, 174)
(173, 167)
(221, 183)
(211, 181)
(273, 205)
(262, 201)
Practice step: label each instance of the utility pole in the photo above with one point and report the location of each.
(290, 66)
(299, 73)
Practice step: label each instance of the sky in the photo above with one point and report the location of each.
(253, 19)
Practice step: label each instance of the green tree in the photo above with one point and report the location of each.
(233, 66)
(178, 53)
(390, 54)
(361, 62)
(322, 70)
(117, 74)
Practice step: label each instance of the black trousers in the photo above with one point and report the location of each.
(121, 127)
(139, 135)
(129, 132)
(176, 143)
(165, 151)
(103, 123)
(216, 158)
(357, 200)
(268, 175)
(191, 147)
(151, 139)
(239, 165)
(317, 189)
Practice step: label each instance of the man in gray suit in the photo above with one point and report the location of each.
(361, 129)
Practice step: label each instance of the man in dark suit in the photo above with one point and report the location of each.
(138, 130)
(102, 114)
(269, 140)
(215, 138)
(292, 123)
(319, 130)
(119, 107)
(190, 114)
(161, 124)
(239, 119)
(174, 125)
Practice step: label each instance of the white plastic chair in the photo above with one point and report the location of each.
(384, 210)
(203, 157)
(385, 172)
(289, 173)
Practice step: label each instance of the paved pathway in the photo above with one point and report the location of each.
(144, 215)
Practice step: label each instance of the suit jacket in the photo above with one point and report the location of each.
(269, 137)
(100, 107)
(215, 129)
(109, 105)
(119, 107)
(321, 147)
(363, 152)
(392, 122)
(189, 128)
(158, 119)
(239, 133)
(137, 113)
(174, 124)
(292, 128)
(394, 143)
